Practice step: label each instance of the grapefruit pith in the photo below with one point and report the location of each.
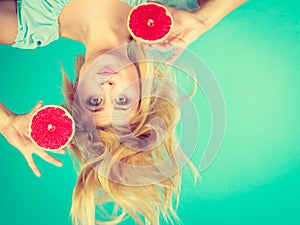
(150, 23)
(51, 128)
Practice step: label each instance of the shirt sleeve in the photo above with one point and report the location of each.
(134, 3)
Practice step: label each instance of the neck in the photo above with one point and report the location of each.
(103, 41)
(99, 24)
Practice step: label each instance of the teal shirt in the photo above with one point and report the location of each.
(189, 5)
(38, 19)
(38, 22)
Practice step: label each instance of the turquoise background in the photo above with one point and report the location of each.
(255, 56)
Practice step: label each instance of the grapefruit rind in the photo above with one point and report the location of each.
(147, 41)
(66, 113)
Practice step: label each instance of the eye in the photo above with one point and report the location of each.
(95, 101)
(122, 100)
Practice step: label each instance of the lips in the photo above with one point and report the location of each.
(106, 71)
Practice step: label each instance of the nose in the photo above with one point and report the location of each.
(108, 83)
(107, 87)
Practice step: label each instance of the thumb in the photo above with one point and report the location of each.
(35, 108)
(169, 8)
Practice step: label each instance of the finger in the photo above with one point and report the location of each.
(162, 47)
(146, 46)
(32, 165)
(169, 8)
(160, 52)
(177, 41)
(48, 158)
(35, 108)
(175, 56)
(61, 151)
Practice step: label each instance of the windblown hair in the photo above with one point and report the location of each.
(133, 171)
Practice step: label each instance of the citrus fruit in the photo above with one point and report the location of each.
(51, 128)
(149, 23)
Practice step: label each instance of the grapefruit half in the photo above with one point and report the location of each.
(150, 23)
(51, 128)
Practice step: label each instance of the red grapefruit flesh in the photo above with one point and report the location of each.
(51, 128)
(149, 23)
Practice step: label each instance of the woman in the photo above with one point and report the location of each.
(101, 26)
(78, 21)
(129, 155)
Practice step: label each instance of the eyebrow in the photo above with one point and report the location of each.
(114, 107)
(120, 108)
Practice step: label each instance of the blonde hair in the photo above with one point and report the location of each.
(137, 170)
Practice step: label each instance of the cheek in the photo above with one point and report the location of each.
(134, 93)
(129, 82)
(86, 89)
(131, 73)
(89, 85)
(137, 90)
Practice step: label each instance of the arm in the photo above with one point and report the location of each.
(213, 11)
(8, 21)
(189, 26)
(15, 128)
(5, 117)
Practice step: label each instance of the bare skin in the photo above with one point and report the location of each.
(88, 20)
(17, 134)
(82, 20)
(100, 25)
(8, 21)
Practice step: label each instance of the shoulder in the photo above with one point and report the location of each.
(8, 21)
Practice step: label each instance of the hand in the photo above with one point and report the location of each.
(187, 27)
(16, 133)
